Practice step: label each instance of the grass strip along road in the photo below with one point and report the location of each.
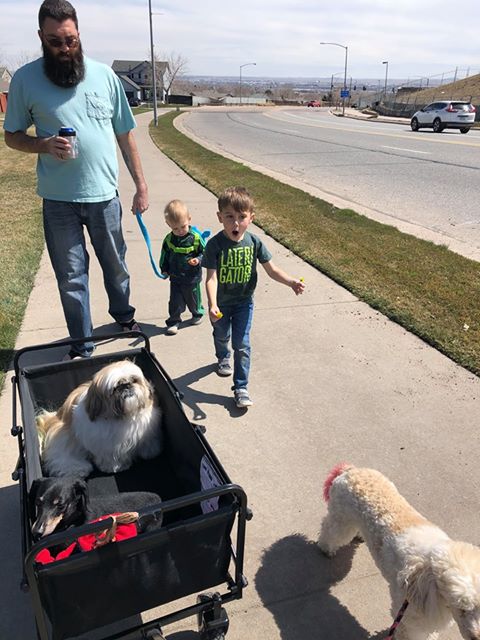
(21, 244)
(424, 287)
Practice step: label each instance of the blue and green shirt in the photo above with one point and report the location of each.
(177, 251)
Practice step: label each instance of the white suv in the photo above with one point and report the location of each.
(451, 114)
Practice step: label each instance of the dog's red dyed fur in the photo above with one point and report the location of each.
(334, 473)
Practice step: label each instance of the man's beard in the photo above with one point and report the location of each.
(64, 73)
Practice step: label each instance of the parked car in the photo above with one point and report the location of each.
(445, 114)
(133, 102)
(314, 103)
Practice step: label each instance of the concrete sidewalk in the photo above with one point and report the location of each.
(332, 380)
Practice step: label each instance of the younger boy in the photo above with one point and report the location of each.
(231, 262)
(181, 259)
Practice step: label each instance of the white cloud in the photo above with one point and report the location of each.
(282, 37)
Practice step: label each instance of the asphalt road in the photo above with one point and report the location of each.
(427, 179)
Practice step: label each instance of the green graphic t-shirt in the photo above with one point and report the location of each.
(236, 266)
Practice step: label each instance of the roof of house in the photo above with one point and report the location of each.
(126, 66)
(128, 80)
(2, 71)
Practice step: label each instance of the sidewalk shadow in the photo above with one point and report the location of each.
(53, 354)
(19, 623)
(294, 583)
(193, 398)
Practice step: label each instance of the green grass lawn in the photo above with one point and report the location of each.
(426, 288)
(21, 243)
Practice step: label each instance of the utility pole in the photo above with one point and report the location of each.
(154, 70)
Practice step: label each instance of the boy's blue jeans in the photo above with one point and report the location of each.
(235, 324)
(64, 235)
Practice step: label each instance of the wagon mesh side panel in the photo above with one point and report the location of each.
(115, 582)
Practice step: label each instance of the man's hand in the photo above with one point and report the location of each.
(140, 201)
(53, 145)
(58, 147)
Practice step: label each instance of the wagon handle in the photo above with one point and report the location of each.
(69, 342)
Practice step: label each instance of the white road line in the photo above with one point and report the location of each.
(344, 127)
(409, 150)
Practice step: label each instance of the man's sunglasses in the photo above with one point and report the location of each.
(70, 41)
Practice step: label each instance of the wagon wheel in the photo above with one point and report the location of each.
(212, 623)
(214, 635)
(155, 634)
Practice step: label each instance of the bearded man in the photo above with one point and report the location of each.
(64, 88)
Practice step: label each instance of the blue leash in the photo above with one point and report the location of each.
(146, 236)
(144, 231)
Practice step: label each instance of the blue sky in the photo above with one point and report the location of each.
(417, 37)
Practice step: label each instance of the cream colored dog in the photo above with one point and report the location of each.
(105, 423)
(438, 576)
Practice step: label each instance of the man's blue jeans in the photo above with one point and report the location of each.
(63, 224)
(235, 324)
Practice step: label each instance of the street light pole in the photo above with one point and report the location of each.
(247, 64)
(154, 70)
(336, 44)
(385, 62)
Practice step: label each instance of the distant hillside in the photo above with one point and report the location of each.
(465, 89)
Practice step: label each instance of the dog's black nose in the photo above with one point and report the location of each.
(37, 530)
(126, 390)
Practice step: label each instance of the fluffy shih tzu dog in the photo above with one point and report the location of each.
(105, 424)
(438, 577)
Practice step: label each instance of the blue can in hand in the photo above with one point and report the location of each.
(71, 135)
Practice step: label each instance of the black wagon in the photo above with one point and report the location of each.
(198, 550)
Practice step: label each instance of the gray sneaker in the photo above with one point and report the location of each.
(224, 368)
(242, 399)
(196, 320)
(172, 330)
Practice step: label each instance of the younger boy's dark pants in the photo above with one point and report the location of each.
(182, 296)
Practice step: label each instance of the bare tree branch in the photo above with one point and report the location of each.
(177, 67)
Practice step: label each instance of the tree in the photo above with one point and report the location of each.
(22, 58)
(177, 66)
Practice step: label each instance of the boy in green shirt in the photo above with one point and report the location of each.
(181, 260)
(231, 262)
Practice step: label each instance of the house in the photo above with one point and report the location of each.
(137, 78)
(5, 78)
(5, 75)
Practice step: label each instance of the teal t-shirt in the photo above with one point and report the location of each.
(96, 108)
(236, 266)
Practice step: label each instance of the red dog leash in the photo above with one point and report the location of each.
(397, 620)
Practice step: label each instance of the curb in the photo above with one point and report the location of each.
(372, 118)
